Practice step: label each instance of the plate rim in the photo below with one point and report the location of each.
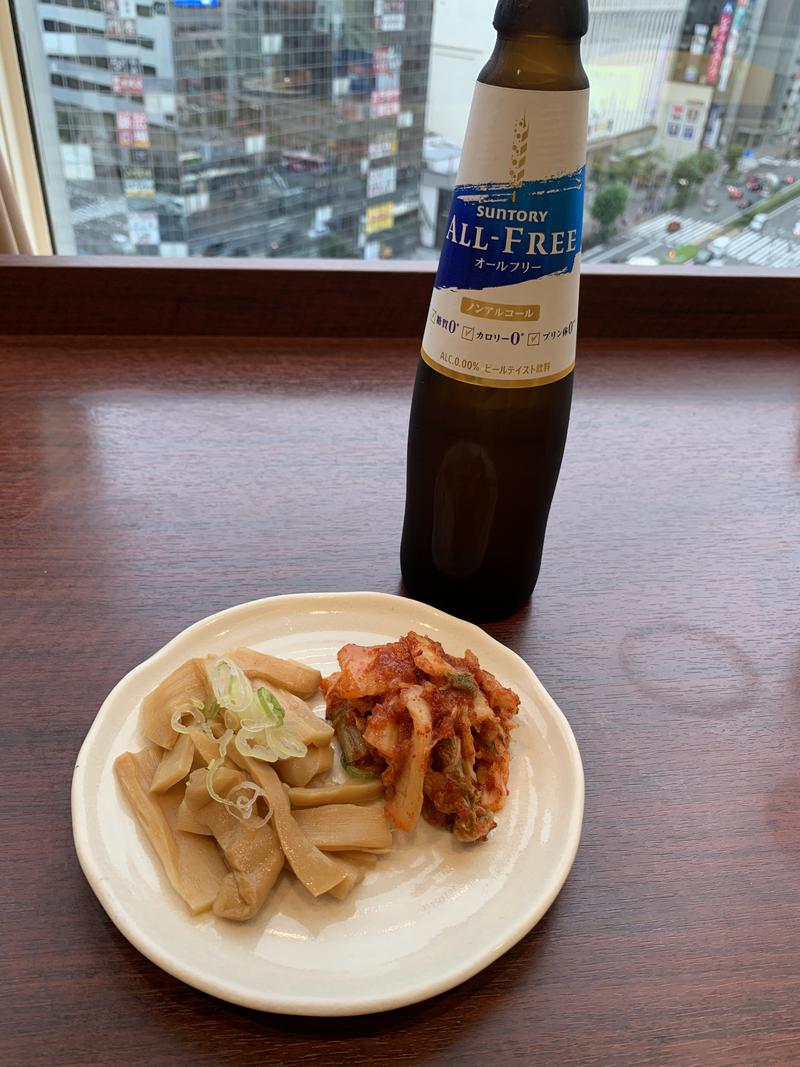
(316, 1006)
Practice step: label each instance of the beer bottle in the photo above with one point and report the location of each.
(492, 396)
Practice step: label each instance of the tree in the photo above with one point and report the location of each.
(608, 205)
(333, 247)
(654, 167)
(691, 171)
(694, 169)
(733, 156)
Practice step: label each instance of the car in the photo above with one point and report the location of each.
(673, 226)
(753, 183)
(710, 206)
(734, 193)
(744, 203)
(796, 230)
(705, 255)
(719, 245)
(757, 222)
(789, 179)
(717, 261)
(642, 261)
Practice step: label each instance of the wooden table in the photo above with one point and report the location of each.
(147, 485)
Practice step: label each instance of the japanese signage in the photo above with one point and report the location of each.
(699, 39)
(138, 182)
(126, 9)
(381, 181)
(380, 217)
(382, 146)
(711, 135)
(124, 65)
(127, 84)
(132, 129)
(119, 28)
(384, 104)
(143, 228)
(386, 63)
(390, 15)
(733, 43)
(720, 40)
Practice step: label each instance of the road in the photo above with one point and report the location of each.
(775, 246)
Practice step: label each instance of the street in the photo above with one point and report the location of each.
(775, 246)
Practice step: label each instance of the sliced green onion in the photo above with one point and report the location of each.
(196, 721)
(285, 743)
(243, 807)
(271, 706)
(209, 708)
(247, 744)
(268, 743)
(246, 804)
(232, 688)
(358, 772)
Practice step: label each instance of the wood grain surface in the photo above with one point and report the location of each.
(132, 296)
(665, 624)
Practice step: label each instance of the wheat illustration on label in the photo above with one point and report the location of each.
(519, 155)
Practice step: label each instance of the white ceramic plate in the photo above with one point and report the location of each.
(429, 915)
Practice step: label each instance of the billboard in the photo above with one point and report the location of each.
(143, 228)
(380, 217)
(733, 42)
(384, 103)
(138, 182)
(390, 15)
(720, 40)
(132, 129)
(126, 9)
(381, 181)
(382, 145)
(127, 84)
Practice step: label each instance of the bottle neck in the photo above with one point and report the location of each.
(565, 19)
(535, 61)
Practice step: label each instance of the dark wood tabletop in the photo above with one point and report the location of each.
(665, 624)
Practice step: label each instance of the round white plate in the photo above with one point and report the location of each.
(430, 914)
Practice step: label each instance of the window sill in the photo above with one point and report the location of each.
(48, 296)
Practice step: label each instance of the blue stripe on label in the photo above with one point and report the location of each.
(501, 234)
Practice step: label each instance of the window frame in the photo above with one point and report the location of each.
(17, 140)
(215, 297)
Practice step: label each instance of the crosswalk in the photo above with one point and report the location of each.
(762, 250)
(691, 231)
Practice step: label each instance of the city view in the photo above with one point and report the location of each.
(332, 128)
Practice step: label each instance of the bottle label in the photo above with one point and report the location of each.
(505, 305)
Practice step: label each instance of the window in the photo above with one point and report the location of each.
(317, 128)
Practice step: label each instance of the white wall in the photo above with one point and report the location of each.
(462, 40)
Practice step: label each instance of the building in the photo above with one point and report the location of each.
(626, 53)
(769, 103)
(231, 127)
(735, 79)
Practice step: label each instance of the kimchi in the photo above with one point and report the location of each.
(433, 726)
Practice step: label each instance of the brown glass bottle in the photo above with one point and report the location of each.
(483, 461)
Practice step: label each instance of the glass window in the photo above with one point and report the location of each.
(333, 128)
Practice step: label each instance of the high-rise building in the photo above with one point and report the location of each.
(735, 78)
(231, 127)
(627, 54)
(769, 105)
